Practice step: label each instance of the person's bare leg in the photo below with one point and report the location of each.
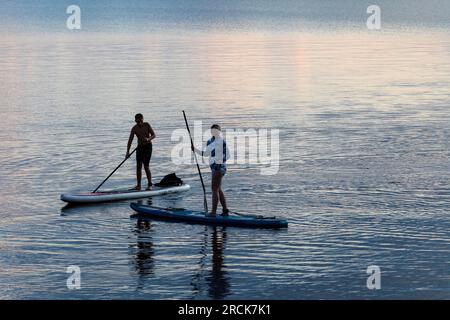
(215, 185)
(138, 176)
(149, 177)
(215, 202)
(222, 199)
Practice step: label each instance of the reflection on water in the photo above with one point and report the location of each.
(214, 280)
(217, 279)
(210, 278)
(143, 251)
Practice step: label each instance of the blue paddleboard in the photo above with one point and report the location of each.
(182, 215)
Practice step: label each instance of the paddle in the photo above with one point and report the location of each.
(205, 203)
(115, 170)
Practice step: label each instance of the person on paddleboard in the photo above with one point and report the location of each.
(145, 135)
(216, 150)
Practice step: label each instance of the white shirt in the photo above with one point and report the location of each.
(217, 150)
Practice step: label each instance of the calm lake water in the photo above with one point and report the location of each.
(364, 147)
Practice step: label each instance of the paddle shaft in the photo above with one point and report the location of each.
(205, 202)
(115, 170)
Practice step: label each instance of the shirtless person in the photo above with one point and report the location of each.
(145, 135)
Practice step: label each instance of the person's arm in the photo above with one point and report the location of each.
(203, 153)
(130, 141)
(227, 151)
(152, 133)
(197, 151)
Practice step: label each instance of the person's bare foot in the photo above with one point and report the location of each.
(149, 188)
(211, 214)
(137, 188)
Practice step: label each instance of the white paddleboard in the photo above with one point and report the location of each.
(114, 195)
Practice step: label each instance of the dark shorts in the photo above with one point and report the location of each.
(144, 154)
(222, 168)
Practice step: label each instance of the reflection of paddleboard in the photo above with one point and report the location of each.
(113, 195)
(199, 217)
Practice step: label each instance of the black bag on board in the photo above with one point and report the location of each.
(170, 180)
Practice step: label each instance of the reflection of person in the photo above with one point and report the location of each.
(219, 286)
(143, 256)
(145, 135)
(216, 149)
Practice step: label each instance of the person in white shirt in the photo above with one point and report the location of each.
(216, 150)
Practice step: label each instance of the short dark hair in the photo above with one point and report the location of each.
(216, 126)
(138, 116)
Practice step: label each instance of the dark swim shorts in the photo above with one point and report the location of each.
(144, 154)
(222, 168)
